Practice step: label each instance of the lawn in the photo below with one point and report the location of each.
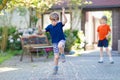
(8, 55)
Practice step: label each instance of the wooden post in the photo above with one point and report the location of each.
(83, 21)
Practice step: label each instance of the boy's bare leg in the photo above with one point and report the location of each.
(101, 52)
(101, 55)
(108, 52)
(61, 50)
(110, 55)
(56, 58)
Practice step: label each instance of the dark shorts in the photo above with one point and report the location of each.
(103, 43)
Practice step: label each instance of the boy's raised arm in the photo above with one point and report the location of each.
(65, 18)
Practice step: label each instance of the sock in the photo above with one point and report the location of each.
(62, 54)
(56, 66)
(110, 58)
(101, 58)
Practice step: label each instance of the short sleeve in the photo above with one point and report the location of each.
(47, 29)
(98, 29)
(109, 28)
(61, 24)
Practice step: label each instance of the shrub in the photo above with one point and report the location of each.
(12, 39)
(74, 39)
(70, 40)
(81, 43)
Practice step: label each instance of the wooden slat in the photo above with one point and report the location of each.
(34, 42)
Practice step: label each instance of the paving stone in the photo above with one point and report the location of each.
(84, 67)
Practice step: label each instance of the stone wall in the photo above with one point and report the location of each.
(115, 28)
(15, 19)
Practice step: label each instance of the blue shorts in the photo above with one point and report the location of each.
(103, 43)
(55, 46)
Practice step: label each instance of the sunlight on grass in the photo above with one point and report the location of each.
(74, 53)
(4, 69)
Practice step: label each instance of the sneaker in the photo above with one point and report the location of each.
(55, 70)
(111, 62)
(63, 58)
(100, 61)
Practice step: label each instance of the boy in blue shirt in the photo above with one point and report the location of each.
(58, 38)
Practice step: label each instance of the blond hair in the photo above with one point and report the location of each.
(54, 16)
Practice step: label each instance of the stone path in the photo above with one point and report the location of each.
(84, 67)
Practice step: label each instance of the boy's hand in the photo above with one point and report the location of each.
(40, 33)
(63, 10)
(65, 18)
(107, 36)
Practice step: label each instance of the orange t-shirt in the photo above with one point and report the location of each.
(103, 30)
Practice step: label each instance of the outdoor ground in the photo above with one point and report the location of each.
(84, 67)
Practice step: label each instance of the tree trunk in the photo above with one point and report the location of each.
(4, 38)
(31, 13)
(3, 4)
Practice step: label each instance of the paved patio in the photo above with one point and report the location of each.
(84, 67)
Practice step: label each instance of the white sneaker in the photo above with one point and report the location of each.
(100, 61)
(111, 61)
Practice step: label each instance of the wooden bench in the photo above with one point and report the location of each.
(34, 42)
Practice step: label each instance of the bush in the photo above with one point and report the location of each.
(13, 39)
(75, 39)
(49, 37)
(80, 43)
(70, 40)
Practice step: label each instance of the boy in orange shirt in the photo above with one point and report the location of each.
(103, 34)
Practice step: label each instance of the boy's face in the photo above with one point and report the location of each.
(102, 21)
(54, 22)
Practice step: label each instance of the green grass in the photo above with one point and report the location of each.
(76, 54)
(8, 55)
(51, 55)
(5, 57)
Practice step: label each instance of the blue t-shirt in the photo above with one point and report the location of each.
(56, 32)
